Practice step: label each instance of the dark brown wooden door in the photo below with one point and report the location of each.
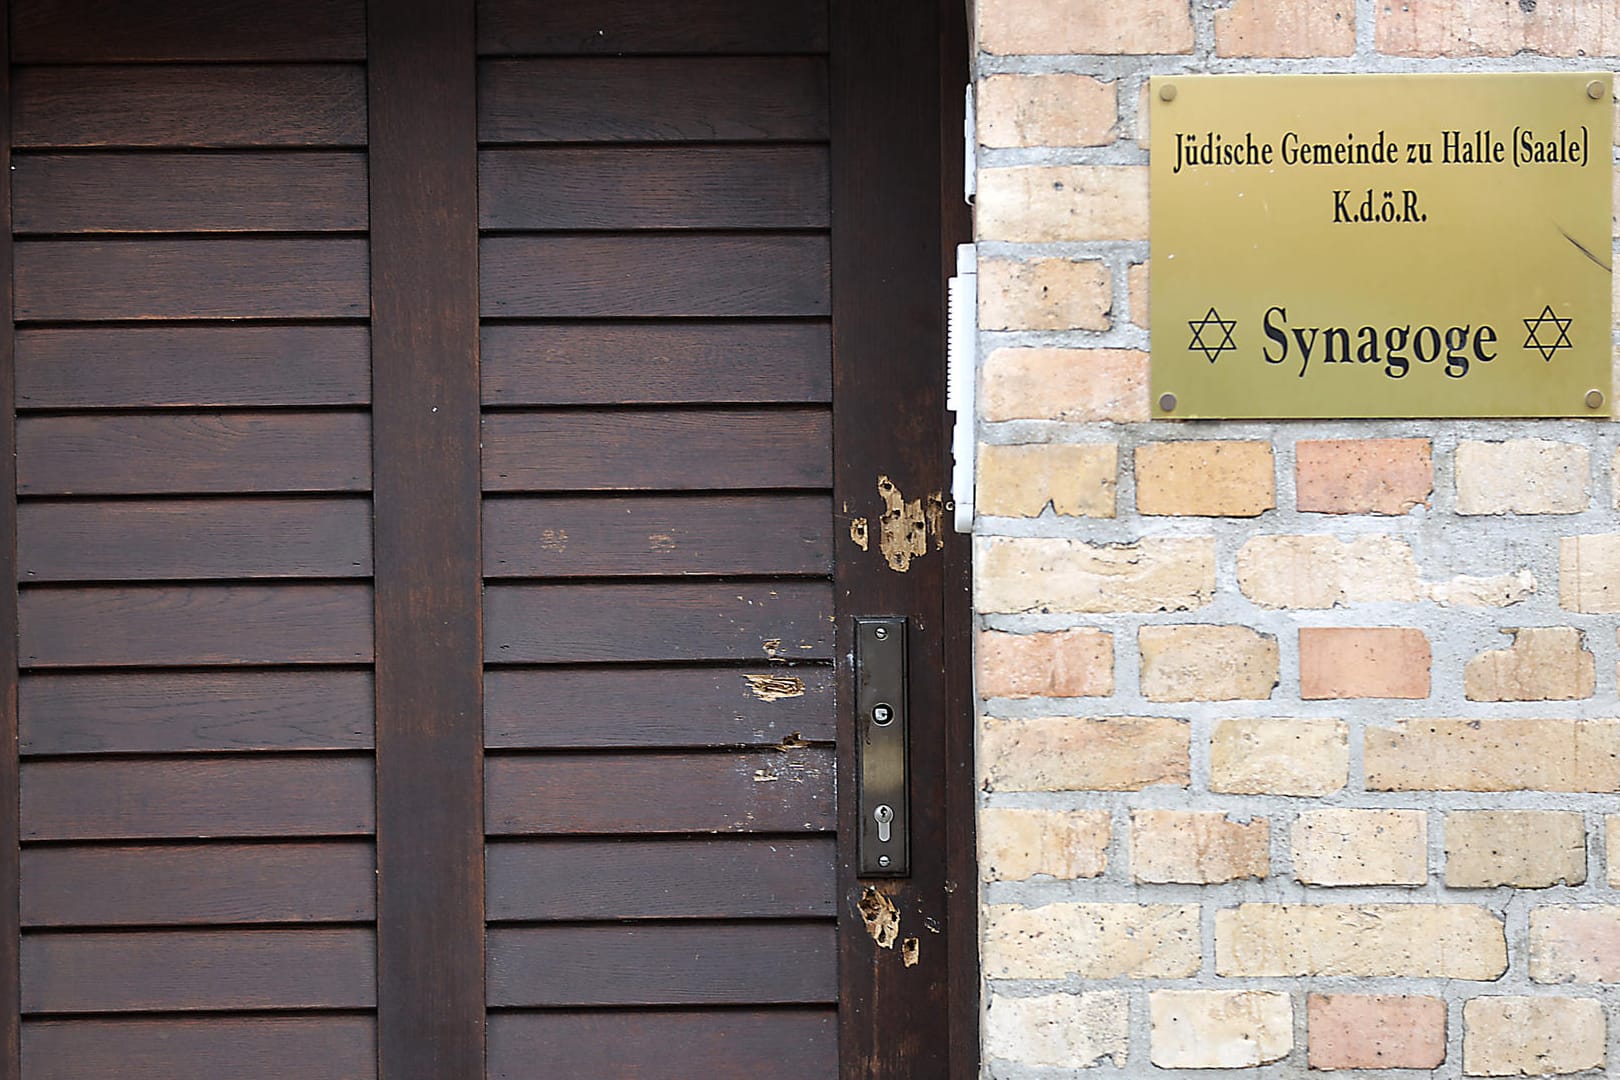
(448, 452)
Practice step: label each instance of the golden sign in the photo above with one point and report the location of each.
(1381, 245)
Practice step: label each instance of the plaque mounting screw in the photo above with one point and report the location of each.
(1594, 90)
(1167, 92)
(1167, 402)
(1594, 399)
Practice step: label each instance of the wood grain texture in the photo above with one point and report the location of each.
(193, 453)
(539, 624)
(197, 798)
(10, 1011)
(198, 1048)
(776, 791)
(607, 363)
(154, 712)
(197, 625)
(667, 449)
(647, 536)
(194, 539)
(198, 884)
(703, 99)
(189, 970)
(104, 31)
(653, 275)
(710, 187)
(202, 106)
(67, 280)
(90, 367)
(711, 27)
(733, 1044)
(190, 193)
(719, 964)
(582, 880)
(612, 706)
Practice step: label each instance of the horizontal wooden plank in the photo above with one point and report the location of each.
(775, 791)
(570, 708)
(193, 539)
(211, 105)
(729, 1044)
(535, 27)
(197, 798)
(166, 712)
(605, 363)
(710, 187)
(209, 278)
(652, 275)
(657, 535)
(540, 624)
(109, 31)
(174, 884)
(91, 367)
(707, 99)
(197, 1048)
(182, 625)
(667, 449)
(193, 453)
(719, 964)
(159, 193)
(730, 878)
(185, 970)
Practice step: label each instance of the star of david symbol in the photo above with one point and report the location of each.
(1212, 321)
(1547, 322)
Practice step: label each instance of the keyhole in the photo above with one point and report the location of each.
(883, 815)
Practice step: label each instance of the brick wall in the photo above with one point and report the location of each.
(1300, 746)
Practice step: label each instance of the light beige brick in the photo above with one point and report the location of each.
(1061, 664)
(1496, 590)
(1140, 293)
(1144, 118)
(1326, 572)
(1279, 756)
(1040, 574)
(1575, 944)
(1091, 941)
(1205, 478)
(1363, 662)
(1361, 847)
(1376, 1031)
(1062, 753)
(1589, 573)
(1207, 663)
(1443, 941)
(1045, 110)
(1084, 26)
(1017, 844)
(1197, 847)
(1070, 385)
(1044, 294)
(1074, 479)
(1523, 476)
(1058, 1031)
(1362, 476)
(1042, 204)
(1286, 28)
(1494, 755)
(1493, 28)
(1219, 1029)
(1532, 1036)
(1529, 849)
(1544, 663)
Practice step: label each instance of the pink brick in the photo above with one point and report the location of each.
(1376, 1031)
(1363, 476)
(1363, 662)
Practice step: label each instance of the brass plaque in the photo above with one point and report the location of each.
(1381, 245)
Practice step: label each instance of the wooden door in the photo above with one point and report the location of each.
(452, 445)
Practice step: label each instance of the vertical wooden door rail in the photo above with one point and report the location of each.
(425, 453)
(10, 856)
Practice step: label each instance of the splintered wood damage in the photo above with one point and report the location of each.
(910, 951)
(881, 917)
(772, 647)
(775, 687)
(905, 527)
(858, 532)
